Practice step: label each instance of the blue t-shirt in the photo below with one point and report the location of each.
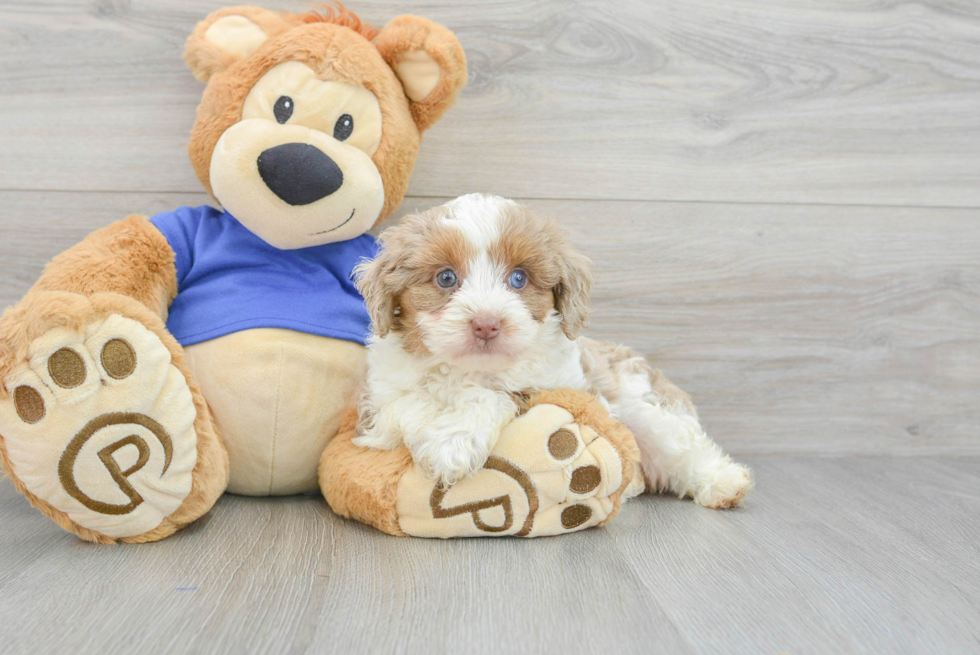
(230, 280)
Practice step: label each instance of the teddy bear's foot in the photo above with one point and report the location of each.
(99, 430)
(548, 474)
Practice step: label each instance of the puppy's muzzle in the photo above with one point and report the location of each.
(299, 173)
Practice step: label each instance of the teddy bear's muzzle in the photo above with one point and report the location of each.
(299, 173)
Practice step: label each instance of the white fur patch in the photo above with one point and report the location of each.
(478, 217)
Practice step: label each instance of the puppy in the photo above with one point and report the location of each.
(479, 301)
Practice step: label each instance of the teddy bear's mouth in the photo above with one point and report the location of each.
(313, 234)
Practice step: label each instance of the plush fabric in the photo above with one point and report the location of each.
(277, 396)
(230, 280)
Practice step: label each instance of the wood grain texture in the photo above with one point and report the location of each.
(797, 329)
(867, 101)
(831, 555)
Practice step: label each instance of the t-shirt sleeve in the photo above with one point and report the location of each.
(180, 227)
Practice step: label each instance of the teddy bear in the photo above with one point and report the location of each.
(164, 361)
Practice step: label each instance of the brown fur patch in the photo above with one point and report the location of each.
(605, 363)
(558, 276)
(529, 241)
(399, 284)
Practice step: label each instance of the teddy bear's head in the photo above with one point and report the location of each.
(310, 124)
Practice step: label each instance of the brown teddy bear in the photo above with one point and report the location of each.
(163, 361)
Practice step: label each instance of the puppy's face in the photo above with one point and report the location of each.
(476, 283)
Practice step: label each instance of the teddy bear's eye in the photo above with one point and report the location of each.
(283, 109)
(343, 127)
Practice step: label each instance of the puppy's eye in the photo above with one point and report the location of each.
(343, 127)
(446, 279)
(518, 279)
(283, 108)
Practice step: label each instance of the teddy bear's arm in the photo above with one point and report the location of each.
(130, 257)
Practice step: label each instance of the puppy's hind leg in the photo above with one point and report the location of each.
(676, 454)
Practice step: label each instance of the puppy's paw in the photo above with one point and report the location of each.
(449, 457)
(730, 485)
(377, 440)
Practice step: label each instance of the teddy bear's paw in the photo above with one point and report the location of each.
(546, 475)
(99, 423)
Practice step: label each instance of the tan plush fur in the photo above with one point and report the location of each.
(204, 59)
(130, 257)
(360, 483)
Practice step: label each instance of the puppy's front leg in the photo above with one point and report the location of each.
(457, 442)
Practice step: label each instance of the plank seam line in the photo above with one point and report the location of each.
(665, 201)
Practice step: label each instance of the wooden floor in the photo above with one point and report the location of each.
(782, 199)
(833, 555)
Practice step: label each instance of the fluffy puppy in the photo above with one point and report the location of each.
(479, 301)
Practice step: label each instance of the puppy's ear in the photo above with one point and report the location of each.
(228, 35)
(573, 293)
(428, 60)
(375, 280)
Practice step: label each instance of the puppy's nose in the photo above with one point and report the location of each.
(486, 327)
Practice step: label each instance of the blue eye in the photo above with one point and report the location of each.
(446, 279)
(518, 279)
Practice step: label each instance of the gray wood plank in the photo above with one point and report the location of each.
(842, 555)
(868, 102)
(826, 330)
(869, 555)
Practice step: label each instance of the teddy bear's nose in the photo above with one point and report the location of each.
(299, 173)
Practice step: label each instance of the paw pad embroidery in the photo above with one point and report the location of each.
(546, 475)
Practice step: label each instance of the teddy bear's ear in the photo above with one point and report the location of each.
(228, 35)
(429, 62)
